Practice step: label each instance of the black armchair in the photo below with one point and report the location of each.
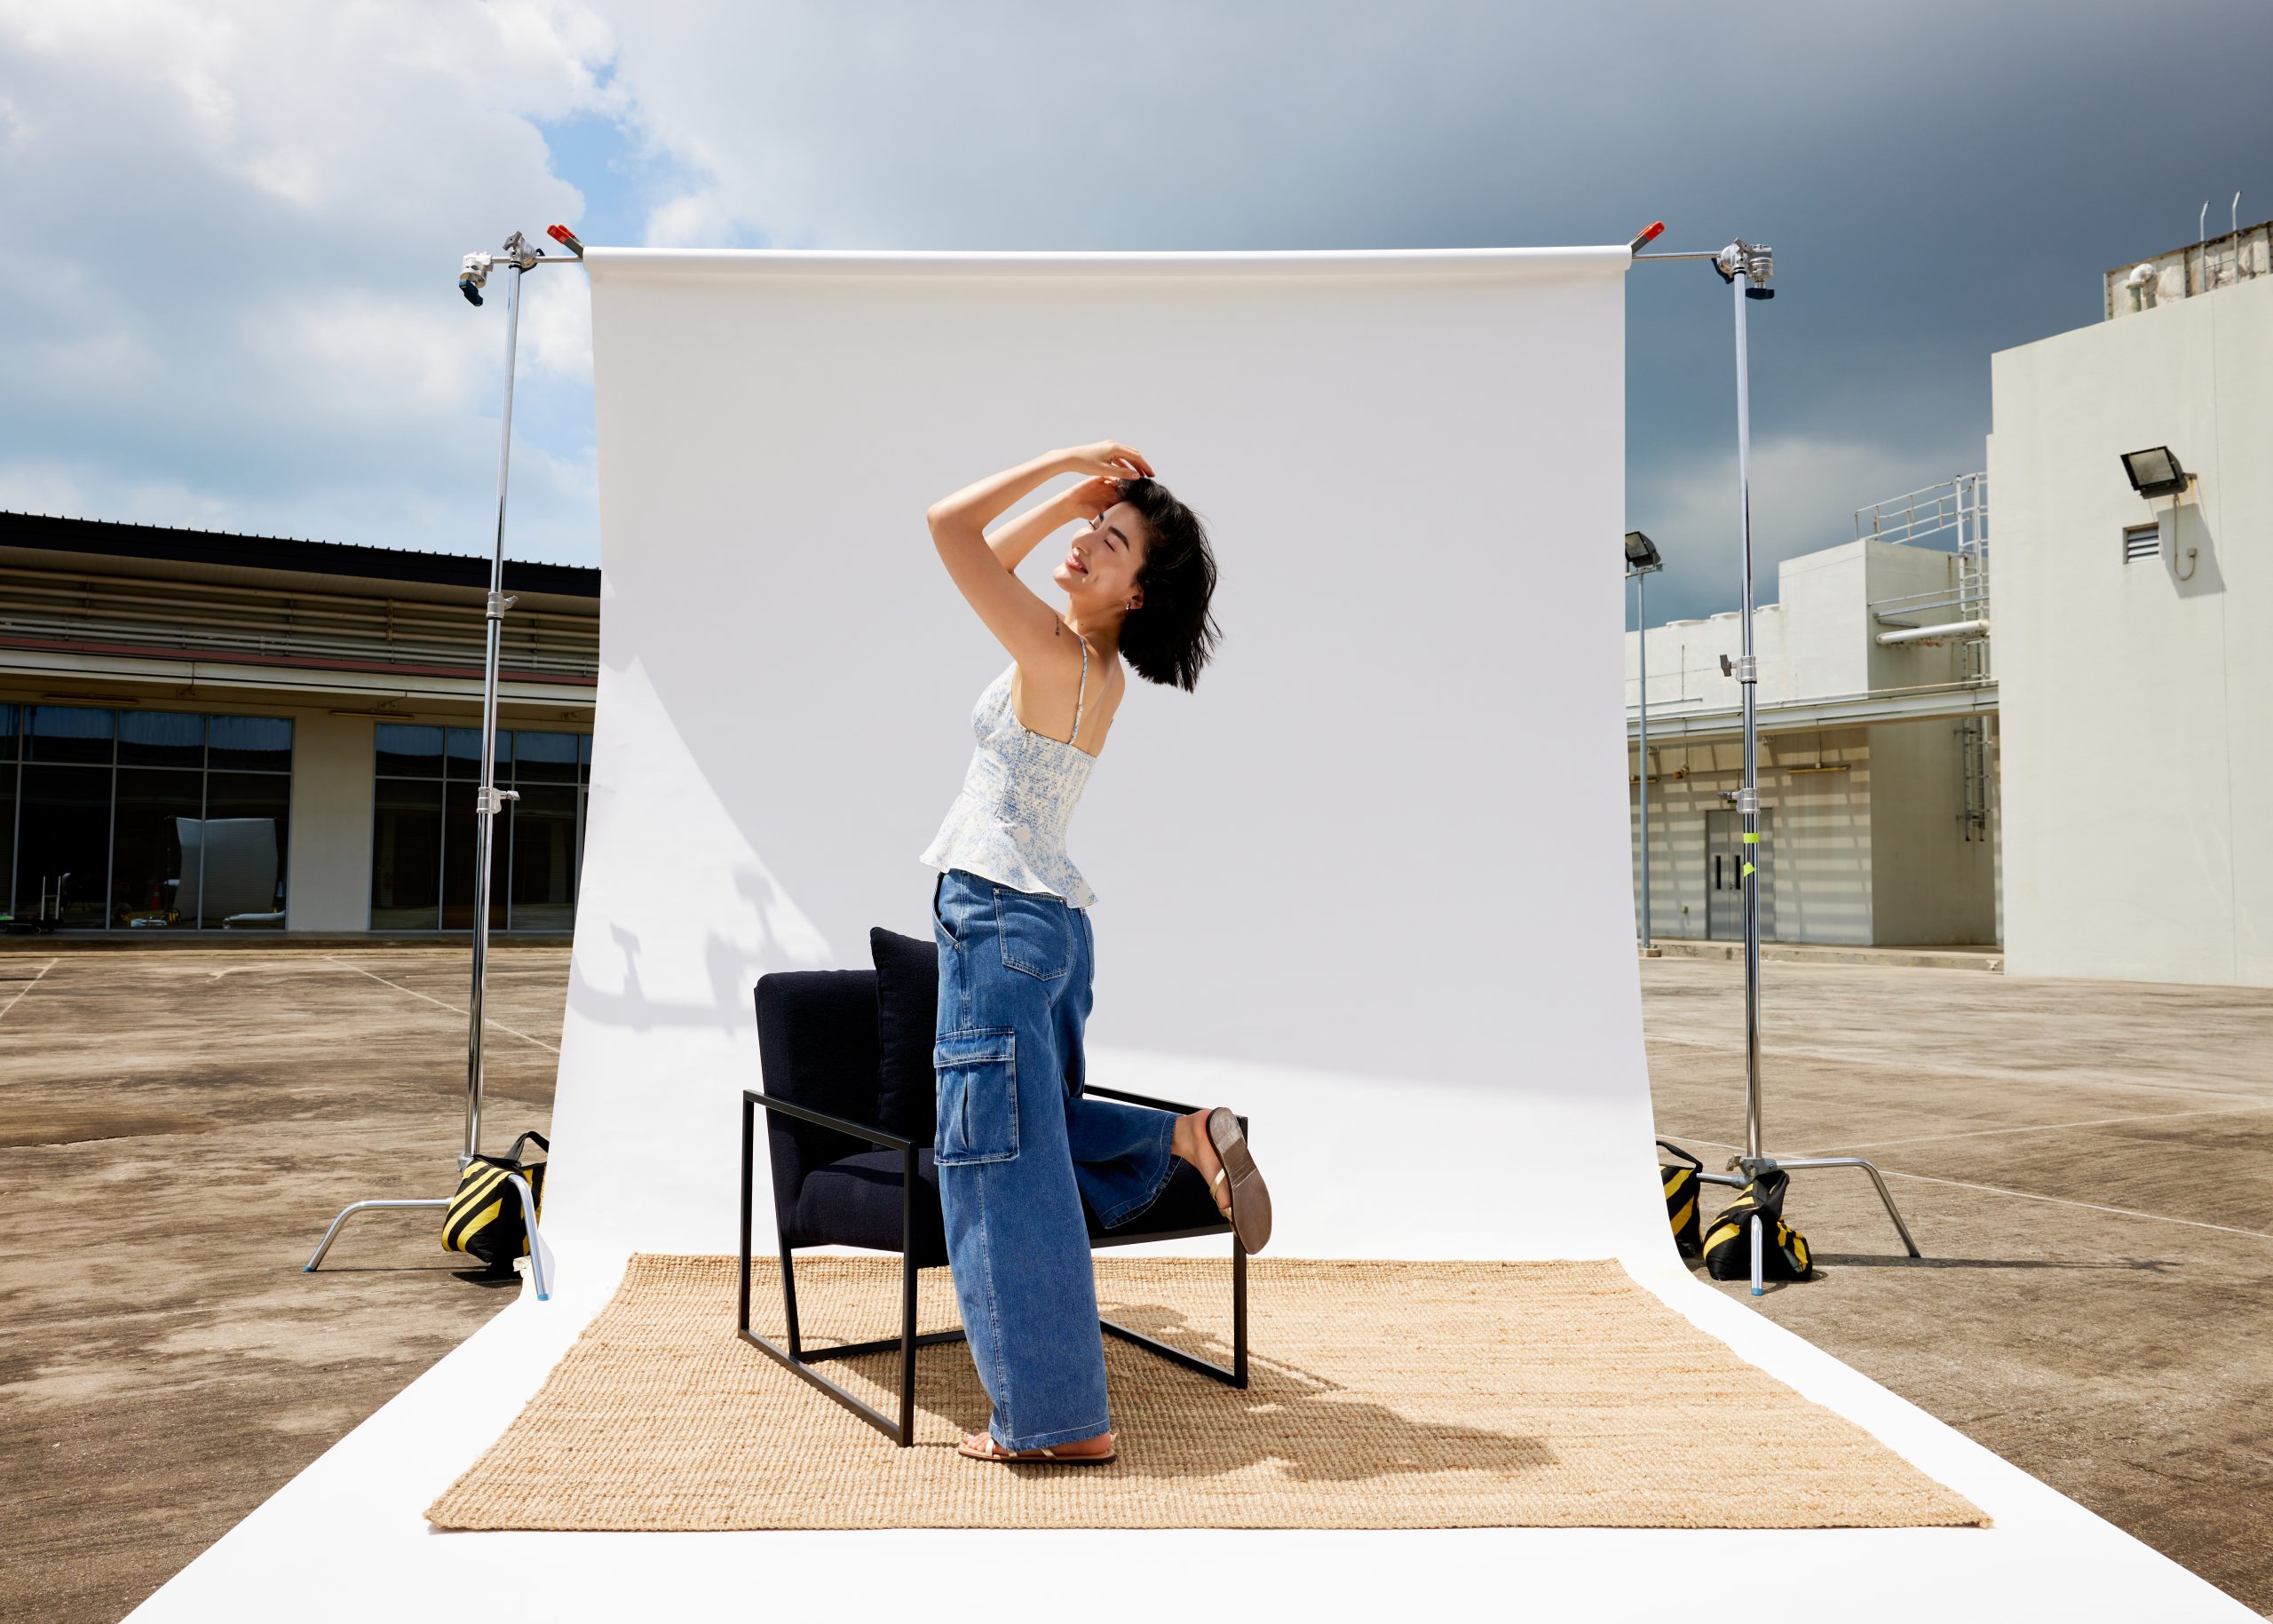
(852, 1159)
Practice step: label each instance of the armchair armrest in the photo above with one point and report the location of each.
(1138, 1099)
(1127, 1097)
(844, 1125)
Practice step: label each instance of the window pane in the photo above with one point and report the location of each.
(407, 851)
(8, 736)
(465, 755)
(7, 832)
(161, 739)
(63, 840)
(260, 744)
(410, 752)
(544, 856)
(70, 732)
(584, 756)
(543, 759)
(458, 835)
(146, 883)
(235, 878)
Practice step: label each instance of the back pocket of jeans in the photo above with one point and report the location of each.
(976, 1071)
(1036, 933)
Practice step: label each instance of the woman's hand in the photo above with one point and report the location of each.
(1107, 459)
(1092, 497)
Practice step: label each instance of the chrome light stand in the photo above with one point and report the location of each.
(1746, 268)
(520, 257)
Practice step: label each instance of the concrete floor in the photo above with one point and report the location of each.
(2084, 1164)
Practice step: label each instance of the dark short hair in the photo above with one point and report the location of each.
(1169, 636)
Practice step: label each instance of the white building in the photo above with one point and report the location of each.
(1877, 765)
(2133, 640)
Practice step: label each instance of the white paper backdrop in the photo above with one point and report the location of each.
(1368, 882)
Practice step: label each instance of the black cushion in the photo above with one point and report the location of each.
(907, 1018)
(855, 1202)
(816, 1048)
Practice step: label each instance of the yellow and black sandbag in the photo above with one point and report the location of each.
(1681, 1191)
(483, 1219)
(1728, 1238)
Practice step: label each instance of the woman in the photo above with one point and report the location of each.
(1019, 1147)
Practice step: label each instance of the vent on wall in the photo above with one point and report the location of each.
(2142, 541)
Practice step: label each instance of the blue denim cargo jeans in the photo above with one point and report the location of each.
(1021, 1151)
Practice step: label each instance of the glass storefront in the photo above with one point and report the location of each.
(424, 831)
(145, 819)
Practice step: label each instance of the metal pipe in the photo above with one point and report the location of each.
(1928, 634)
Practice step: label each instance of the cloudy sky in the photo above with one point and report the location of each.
(230, 232)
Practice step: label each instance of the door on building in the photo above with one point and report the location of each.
(1724, 875)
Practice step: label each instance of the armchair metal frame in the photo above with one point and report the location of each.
(797, 1357)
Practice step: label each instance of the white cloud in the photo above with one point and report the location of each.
(42, 488)
(234, 233)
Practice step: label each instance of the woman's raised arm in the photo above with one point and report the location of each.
(971, 509)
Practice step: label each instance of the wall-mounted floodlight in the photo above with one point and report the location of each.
(2154, 472)
(1641, 553)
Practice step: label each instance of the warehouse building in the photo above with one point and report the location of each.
(206, 733)
(1877, 720)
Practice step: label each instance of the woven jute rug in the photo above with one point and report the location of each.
(1384, 1395)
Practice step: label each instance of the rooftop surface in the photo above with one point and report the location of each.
(2081, 1163)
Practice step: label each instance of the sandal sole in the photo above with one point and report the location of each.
(1250, 1214)
(1025, 1458)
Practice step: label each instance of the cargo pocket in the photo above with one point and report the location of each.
(978, 1077)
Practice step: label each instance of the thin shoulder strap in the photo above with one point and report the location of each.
(1083, 692)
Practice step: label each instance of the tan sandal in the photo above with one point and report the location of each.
(1250, 1197)
(1035, 1457)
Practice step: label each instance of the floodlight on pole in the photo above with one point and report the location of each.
(1641, 561)
(1747, 267)
(520, 255)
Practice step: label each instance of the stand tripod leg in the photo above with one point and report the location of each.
(1900, 1228)
(528, 1218)
(347, 1212)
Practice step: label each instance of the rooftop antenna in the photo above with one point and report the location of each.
(1746, 268)
(520, 255)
